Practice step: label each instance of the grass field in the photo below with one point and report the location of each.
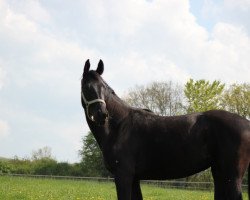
(18, 188)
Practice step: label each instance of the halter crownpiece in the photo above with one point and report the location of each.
(88, 103)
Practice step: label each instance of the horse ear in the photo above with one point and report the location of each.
(86, 67)
(100, 67)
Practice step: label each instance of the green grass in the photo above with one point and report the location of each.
(17, 188)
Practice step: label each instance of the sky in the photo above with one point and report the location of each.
(44, 44)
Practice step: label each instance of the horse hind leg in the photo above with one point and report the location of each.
(227, 190)
(226, 185)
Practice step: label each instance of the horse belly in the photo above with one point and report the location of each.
(175, 163)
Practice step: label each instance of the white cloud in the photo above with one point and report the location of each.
(17, 26)
(136, 69)
(170, 32)
(225, 55)
(124, 17)
(32, 10)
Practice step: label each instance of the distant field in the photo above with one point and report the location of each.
(18, 188)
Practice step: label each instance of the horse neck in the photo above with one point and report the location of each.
(118, 111)
(100, 132)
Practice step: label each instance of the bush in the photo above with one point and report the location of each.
(5, 167)
(44, 166)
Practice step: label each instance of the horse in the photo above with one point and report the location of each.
(139, 145)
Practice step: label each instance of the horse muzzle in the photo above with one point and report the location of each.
(100, 118)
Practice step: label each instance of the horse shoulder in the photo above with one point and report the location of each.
(119, 147)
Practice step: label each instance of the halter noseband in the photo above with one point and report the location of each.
(88, 103)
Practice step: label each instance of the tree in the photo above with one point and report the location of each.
(43, 162)
(163, 98)
(42, 153)
(92, 161)
(202, 95)
(236, 99)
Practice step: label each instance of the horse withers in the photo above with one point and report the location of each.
(137, 144)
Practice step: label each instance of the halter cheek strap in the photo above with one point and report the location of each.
(88, 103)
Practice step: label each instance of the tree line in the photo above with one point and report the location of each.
(41, 162)
(168, 98)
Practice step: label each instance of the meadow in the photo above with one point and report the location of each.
(19, 188)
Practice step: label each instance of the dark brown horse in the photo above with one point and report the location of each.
(137, 144)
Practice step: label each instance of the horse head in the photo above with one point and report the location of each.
(93, 90)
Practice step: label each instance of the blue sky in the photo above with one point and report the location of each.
(43, 45)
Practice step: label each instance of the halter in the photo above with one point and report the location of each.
(88, 103)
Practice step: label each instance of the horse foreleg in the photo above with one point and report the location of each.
(123, 186)
(136, 190)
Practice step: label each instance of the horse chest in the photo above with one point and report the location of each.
(111, 158)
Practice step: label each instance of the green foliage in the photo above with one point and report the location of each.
(62, 169)
(92, 162)
(21, 166)
(43, 166)
(5, 168)
(203, 95)
(236, 99)
(75, 170)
